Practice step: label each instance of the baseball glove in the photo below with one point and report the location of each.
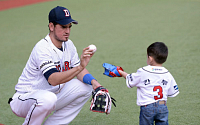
(101, 100)
(112, 70)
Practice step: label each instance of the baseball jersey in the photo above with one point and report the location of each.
(153, 83)
(44, 60)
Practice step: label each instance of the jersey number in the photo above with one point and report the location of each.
(160, 92)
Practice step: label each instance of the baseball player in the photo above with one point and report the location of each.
(154, 84)
(54, 78)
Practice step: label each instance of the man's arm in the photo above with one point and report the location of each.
(94, 82)
(62, 77)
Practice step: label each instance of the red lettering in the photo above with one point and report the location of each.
(67, 66)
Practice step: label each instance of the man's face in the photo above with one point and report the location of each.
(62, 32)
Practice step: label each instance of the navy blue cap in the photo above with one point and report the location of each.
(61, 16)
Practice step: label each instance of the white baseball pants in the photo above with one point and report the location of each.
(37, 105)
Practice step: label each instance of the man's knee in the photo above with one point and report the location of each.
(47, 101)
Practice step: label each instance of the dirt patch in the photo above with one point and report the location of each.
(8, 4)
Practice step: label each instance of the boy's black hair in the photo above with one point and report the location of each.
(158, 51)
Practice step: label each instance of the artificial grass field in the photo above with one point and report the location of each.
(121, 30)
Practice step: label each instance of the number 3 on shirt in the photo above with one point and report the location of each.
(160, 92)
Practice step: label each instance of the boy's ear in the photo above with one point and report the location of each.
(151, 59)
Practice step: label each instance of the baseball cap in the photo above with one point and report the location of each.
(61, 15)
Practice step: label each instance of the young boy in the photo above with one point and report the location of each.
(154, 84)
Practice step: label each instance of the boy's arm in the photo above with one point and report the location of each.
(124, 74)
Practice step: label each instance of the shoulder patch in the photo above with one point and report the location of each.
(176, 87)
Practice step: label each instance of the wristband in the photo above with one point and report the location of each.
(88, 78)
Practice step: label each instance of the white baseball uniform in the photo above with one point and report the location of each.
(153, 83)
(36, 98)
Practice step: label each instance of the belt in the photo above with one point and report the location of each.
(157, 103)
(162, 102)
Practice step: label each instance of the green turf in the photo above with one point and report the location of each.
(121, 30)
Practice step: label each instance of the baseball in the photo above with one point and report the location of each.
(93, 47)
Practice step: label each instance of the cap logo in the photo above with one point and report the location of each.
(66, 12)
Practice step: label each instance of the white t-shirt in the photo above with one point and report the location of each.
(153, 83)
(46, 57)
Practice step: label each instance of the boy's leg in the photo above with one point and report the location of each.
(162, 115)
(71, 99)
(34, 107)
(147, 114)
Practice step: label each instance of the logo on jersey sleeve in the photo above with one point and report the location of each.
(45, 63)
(146, 82)
(176, 87)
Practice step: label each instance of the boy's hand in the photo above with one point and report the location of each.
(112, 70)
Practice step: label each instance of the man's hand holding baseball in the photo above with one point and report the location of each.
(85, 57)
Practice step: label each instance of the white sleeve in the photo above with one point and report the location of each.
(43, 57)
(133, 79)
(173, 90)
